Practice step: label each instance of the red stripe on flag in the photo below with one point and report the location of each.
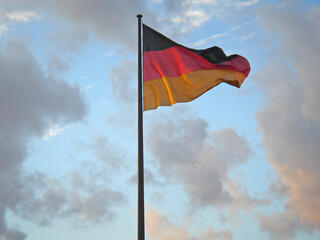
(176, 61)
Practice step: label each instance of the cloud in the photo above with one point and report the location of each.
(53, 131)
(9, 233)
(111, 21)
(15, 16)
(242, 4)
(239, 26)
(190, 19)
(187, 151)
(22, 16)
(108, 152)
(149, 178)
(219, 235)
(77, 198)
(188, 15)
(56, 64)
(205, 40)
(251, 35)
(279, 225)
(13, 235)
(123, 81)
(158, 227)
(30, 102)
(87, 87)
(121, 78)
(290, 120)
(234, 28)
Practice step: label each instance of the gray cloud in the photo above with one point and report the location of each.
(149, 178)
(114, 21)
(111, 21)
(279, 189)
(108, 152)
(301, 50)
(13, 235)
(77, 198)
(7, 233)
(56, 64)
(186, 150)
(123, 81)
(280, 226)
(30, 102)
(289, 122)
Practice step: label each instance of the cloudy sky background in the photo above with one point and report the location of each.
(233, 164)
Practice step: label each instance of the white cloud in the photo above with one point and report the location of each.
(199, 17)
(191, 14)
(251, 35)
(54, 130)
(110, 53)
(205, 40)
(242, 4)
(22, 16)
(87, 87)
(242, 24)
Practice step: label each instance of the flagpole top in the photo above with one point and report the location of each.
(139, 15)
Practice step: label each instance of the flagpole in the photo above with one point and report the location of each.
(141, 230)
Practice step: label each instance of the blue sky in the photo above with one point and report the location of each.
(232, 164)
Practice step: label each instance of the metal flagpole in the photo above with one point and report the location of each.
(141, 231)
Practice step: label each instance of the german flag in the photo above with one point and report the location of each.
(173, 73)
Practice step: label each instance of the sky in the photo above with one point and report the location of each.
(234, 164)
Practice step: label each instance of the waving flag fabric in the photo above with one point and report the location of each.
(173, 73)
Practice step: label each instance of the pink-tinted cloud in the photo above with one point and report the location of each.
(290, 120)
(159, 227)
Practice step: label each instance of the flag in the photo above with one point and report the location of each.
(173, 73)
